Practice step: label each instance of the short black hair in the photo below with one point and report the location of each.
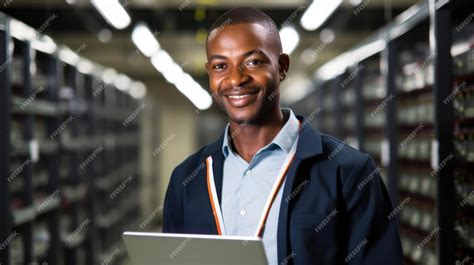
(241, 15)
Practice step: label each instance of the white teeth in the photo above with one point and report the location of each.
(238, 97)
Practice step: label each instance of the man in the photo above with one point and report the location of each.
(313, 199)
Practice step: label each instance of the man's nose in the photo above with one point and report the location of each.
(237, 76)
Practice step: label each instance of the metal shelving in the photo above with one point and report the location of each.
(459, 98)
(403, 72)
(71, 164)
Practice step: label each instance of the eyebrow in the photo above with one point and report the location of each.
(246, 54)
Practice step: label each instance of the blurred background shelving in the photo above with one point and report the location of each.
(66, 151)
(414, 96)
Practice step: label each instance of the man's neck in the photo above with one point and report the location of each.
(248, 138)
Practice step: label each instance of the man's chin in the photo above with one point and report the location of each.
(242, 118)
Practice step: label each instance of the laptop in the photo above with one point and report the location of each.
(163, 248)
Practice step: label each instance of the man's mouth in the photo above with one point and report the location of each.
(238, 96)
(241, 100)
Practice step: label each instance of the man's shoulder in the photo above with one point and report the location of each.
(342, 153)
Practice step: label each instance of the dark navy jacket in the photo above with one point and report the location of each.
(334, 207)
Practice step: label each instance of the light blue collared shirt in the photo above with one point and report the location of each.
(246, 186)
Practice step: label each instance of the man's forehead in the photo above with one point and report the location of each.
(242, 28)
(252, 35)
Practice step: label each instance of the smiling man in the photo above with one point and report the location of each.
(312, 198)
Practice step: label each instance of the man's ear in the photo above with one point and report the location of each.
(206, 65)
(283, 65)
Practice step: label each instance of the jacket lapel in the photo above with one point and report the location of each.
(309, 145)
(218, 167)
(215, 151)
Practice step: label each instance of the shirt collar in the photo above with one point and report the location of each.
(285, 138)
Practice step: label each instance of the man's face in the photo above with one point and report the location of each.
(244, 72)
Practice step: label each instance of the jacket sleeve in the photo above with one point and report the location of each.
(373, 235)
(173, 220)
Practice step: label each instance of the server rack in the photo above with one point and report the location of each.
(68, 154)
(422, 142)
(373, 97)
(460, 35)
(5, 92)
(416, 123)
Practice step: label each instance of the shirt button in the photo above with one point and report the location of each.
(248, 172)
(243, 211)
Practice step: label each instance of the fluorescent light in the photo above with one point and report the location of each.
(22, 31)
(203, 101)
(122, 82)
(308, 56)
(300, 85)
(460, 48)
(173, 73)
(85, 66)
(367, 50)
(327, 35)
(161, 60)
(68, 56)
(194, 92)
(145, 40)
(400, 21)
(109, 75)
(318, 12)
(113, 12)
(334, 67)
(289, 39)
(44, 44)
(338, 65)
(104, 35)
(185, 84)
(138, 90)
(355, 2)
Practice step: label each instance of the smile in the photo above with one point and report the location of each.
(239, 96)
(239, 101)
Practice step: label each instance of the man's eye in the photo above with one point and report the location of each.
(219, 66)
(254, 62)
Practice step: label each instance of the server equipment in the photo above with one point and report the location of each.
(68, 154)
(404, 96)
